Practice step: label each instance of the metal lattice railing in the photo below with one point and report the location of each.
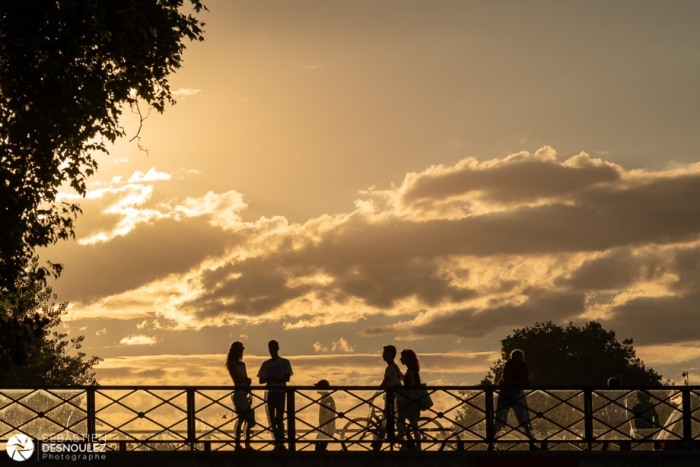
(461, 418)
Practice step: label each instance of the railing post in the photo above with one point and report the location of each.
(588, 416)
(191, 421)
(488, 410)
(91, 415)
(291, 420)
(687, 417)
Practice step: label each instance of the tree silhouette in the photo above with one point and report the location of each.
(67, 69)
(45, 357)
(574, 356)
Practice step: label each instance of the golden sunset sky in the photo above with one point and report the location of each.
(433, 174)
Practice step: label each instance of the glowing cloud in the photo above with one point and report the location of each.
(342, 345)
(138, 340)
(186, 92)
(463, 250)
(151, 176)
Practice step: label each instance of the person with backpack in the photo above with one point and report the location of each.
(515, 378)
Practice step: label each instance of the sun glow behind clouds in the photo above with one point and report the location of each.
(551, 240)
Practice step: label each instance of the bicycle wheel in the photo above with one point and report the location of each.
(432, 434)
(356, 432)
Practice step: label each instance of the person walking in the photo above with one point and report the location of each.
(515, 377)
(275, 373)
(392, 379)
(409, 410)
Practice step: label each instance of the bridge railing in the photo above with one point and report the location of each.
(140, 418)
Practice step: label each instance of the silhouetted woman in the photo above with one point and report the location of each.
(408, 408)
(241, 393)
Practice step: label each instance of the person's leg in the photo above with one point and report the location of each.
(237, 435)
(401, 430)
(239, 422)
(269, 409)
(502, 404)
(321, 446)
(277, 401)
(249, 424)
(521, 414)
(382, 429)
(248, 430)
(413, 424)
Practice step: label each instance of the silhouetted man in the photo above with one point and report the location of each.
(392, 379)
(275, 373)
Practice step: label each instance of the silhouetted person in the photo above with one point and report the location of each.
(275, 373)
(646, 419)
(326, 416)
(241, 394)
(617, 414)
(392, 379)
(515, 377)
(408, 407)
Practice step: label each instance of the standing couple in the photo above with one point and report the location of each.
(275, 373)
(408, 410)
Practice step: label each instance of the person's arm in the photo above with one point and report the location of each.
(506, 375)
(385, 381)
(262, 374)
(288, 371)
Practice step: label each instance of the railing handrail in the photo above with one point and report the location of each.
(351, 387)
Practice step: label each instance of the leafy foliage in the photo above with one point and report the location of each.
(67, 68)
(40, 356)
(574, 356)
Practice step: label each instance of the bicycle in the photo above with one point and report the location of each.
(362, 431)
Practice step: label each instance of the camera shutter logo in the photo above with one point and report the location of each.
(20, 447)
